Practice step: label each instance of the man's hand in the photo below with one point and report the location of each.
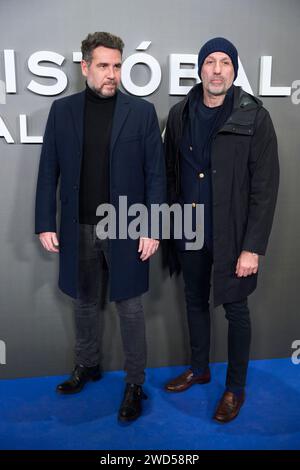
(247, 264)
(147, 247)
(49, 241)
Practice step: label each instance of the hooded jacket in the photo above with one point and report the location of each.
(245, 179)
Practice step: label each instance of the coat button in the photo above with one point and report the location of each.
(193, 204)
(201, 175)
(191, 148)
(214, 172)
(75, 221)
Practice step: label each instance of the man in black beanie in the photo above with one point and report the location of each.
(221, 151)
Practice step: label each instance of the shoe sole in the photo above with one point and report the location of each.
(186, 388)
(124, 420)
(224, 421)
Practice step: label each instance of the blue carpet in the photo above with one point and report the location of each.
(33, 416)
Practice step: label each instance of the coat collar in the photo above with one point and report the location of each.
(120, 114)
(241, 99)
(77, 110)
(245, 107)
(122, 108)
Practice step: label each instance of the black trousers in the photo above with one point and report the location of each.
(93, 254)
(196, 268)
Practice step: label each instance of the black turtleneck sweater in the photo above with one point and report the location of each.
(94, 179)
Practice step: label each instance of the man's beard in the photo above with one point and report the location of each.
(218, 92)
(99, 92)
(215, 91)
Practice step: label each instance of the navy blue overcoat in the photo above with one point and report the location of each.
(137, 170)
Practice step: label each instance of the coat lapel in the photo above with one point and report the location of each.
(77, 111)
(120, 115)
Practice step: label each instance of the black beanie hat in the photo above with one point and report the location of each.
(218, 45)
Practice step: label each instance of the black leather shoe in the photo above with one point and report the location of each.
(79, 377)
(131, 406)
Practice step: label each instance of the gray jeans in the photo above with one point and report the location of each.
(93, 255)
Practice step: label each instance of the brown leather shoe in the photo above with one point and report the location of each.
(229, 407)
(186, 380)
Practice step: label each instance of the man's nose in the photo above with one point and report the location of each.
(217, 69)
(111, 73)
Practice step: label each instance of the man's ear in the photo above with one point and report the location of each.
(84, 67)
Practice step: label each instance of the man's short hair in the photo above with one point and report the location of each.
(99, 39)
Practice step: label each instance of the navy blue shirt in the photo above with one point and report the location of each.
(196, 162)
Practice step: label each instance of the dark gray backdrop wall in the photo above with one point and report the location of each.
(36, 325)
